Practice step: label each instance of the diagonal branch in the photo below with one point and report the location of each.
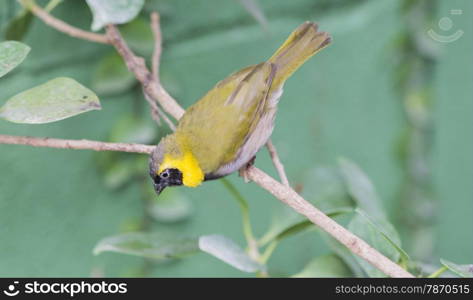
(305, 208)
(137, 66)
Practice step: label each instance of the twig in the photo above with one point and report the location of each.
(157, 113)
(155, 116)
(156, 59)
(351, 241)
(63, 26)
(75, 144)
(277, 163)
(137, 66)
(284, 193)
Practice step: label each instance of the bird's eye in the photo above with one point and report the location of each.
(165, 175)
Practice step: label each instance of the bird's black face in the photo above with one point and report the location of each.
(168, 177)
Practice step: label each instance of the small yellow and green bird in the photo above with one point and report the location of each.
(222, 132)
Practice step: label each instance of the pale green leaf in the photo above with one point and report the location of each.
(461, 270)
(380, 235)
(228, 251)
(12, 53)
(329, 265)
(149, 245)
(360, 188)
(387, 230)
(113, 11)
(324, 188)
(344, 254)
(282, 219)
(288, 227)
(55, 100)
(370, 221)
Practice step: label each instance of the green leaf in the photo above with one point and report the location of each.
(171, 206)
(387, 230)
(255, 10)
(461, 270)
(111, 76)
(284, 230)
(18, 26)
(325, 188)
(55, 100)
(381, 236)
(296, 228)
(149, 245)
(370, 222)
(12, 53)
(329, 265)
(228, 251)
(360, 188)
(344, 254)
(113, 11)
(283, 219)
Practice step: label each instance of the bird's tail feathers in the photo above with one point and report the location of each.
(303, 42)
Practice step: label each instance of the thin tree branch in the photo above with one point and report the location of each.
(63, 26)
(157, 112)
(156, 59)
(75, 144)
(136, 65)
(277, 163)
(152, 87)
(163, 116)
(351, 241)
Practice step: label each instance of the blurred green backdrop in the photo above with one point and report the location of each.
(55, 204)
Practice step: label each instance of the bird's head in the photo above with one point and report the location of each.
(173, 164)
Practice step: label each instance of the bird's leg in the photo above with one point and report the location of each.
(243, 170)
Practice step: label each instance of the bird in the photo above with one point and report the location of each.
(222, 132)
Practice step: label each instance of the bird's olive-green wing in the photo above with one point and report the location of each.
(216, 126)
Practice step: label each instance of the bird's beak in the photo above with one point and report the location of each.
(159, 187)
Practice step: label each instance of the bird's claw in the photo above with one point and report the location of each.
(243, 172)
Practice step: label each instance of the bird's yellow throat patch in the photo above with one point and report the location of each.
(192, 174)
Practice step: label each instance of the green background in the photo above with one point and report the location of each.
(54, 205)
